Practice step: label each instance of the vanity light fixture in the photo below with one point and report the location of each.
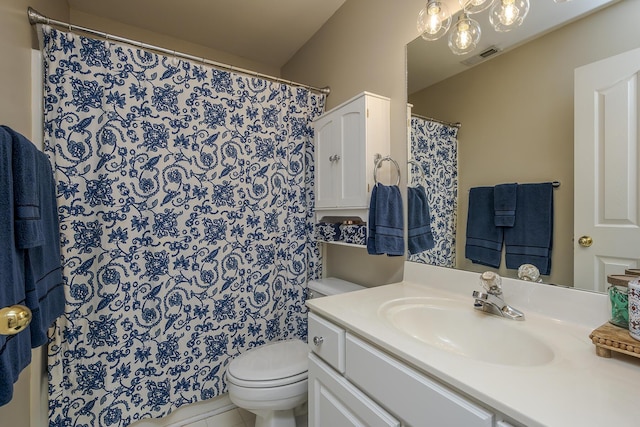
(434, 21)
(465, 35)
(506, 15)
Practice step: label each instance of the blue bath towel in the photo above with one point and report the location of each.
(43, 268)
(484, 239)
(15, 350)
(529, 241)
(386, 222)
(504, 204)
(419, 234)
(28, 224)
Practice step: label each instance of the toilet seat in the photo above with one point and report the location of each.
(272, 365)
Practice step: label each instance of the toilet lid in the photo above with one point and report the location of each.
(273, 361)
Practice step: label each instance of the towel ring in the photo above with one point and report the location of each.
(377, 165)
(417, 164)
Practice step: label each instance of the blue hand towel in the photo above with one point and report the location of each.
(419, 234)
(371, 223)
(42, 269)
(504, 204)
(529, 241)
(15, 350)
(28, 224)
(484, 239)
(386, 222)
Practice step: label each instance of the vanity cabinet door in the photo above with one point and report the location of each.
(334, 402)
(413, 397)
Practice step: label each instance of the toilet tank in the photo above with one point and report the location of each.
(330, 286)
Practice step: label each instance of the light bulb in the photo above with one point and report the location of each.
(506, 15)
(475, 6)
(434, 20)
(465, 35)
(509, 13)
(464, 38)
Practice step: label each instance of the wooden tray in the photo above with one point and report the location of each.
(620, 279)
(608, 338)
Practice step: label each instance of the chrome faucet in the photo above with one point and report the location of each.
(491, 300)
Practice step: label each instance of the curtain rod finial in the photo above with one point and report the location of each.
(34, 16)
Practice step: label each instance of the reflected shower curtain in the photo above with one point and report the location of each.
(435, 147)
(185, 199)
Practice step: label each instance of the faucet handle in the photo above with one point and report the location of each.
(491, 282)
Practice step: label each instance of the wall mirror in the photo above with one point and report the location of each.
(516, 111)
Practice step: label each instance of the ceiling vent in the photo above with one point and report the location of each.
(482, 56)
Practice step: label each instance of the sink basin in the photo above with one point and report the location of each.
(456, 327)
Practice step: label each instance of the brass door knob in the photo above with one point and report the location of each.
(14, 319)
(585, 241)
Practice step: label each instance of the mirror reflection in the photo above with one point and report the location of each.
(432, 193)
(517, 125)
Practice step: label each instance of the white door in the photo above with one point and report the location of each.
(607, 198)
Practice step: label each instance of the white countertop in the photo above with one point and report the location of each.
(576, 388)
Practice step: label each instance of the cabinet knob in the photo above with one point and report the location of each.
(334, 158)
(317, 341)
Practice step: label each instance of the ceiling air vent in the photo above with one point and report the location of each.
(485, 54)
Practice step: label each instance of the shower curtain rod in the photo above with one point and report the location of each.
(36, 17)
(455, 125)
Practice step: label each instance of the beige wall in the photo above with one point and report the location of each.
(362, 47)
(167, 42)
(516, 112)
(16, 40)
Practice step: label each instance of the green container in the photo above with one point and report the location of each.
(619, 306)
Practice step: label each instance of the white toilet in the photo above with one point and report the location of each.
(271, 381)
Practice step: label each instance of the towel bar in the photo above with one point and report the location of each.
(377, 165)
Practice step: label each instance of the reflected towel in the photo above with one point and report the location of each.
(15, 350)
(420, 236)
(504, 204)
(386, 222)
(529, 241)
(484, 239)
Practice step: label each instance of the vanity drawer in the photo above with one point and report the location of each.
(413, 397)
(327, 341)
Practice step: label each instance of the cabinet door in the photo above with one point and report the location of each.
(327, 172)
(352, 186)
(334, 402)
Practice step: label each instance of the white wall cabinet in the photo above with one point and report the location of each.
(375, 389)
(347, 140)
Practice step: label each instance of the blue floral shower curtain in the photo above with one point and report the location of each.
(185, 198)
(435, 147)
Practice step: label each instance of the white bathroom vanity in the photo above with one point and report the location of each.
(417, 353)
